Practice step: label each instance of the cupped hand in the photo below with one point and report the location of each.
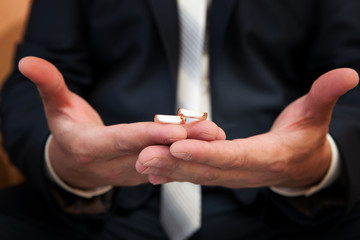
(295, 153)
(84, 152)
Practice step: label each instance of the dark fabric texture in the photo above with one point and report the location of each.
(25, 214)
(122, 57)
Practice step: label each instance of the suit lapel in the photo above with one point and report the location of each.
(166, 17)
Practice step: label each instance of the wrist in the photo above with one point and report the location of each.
(330, 177)
(53, 176)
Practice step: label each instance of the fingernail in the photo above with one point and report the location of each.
(145, 171)
(151, 171)
(155, 162)
(182, 155)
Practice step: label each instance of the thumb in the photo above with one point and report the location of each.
(327, 89)
(47, 78)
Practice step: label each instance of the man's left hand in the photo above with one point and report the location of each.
(294, 153)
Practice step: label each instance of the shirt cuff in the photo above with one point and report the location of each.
(56, 179)
(330, 177)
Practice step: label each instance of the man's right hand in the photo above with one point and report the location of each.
(84, 152)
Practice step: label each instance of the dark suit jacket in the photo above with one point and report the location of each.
(122, 56)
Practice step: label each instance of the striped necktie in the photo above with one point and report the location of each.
(181, 201)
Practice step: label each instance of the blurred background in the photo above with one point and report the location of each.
(13, 16)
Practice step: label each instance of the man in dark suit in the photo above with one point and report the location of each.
(120, 61)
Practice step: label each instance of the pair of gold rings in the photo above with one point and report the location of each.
(181, 116)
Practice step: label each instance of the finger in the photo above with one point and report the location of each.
(204, 130)
(154, 157)
(327, 89)
(140, 135)
(161, 167)
(156, 180)
(215, 153)
(128, 138)
(252, 154)
(122, 139)
(158, 161)
(47, 78)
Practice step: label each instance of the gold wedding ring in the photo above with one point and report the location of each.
(192, 114)
(183, 114)
(169, 119)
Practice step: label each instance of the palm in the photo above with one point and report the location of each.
(294, 153)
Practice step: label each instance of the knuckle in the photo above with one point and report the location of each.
(233, 164)
(207, 176)
(234, 159)
(277, 167)
(83, 159)
(78, 152)
(173, 165)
